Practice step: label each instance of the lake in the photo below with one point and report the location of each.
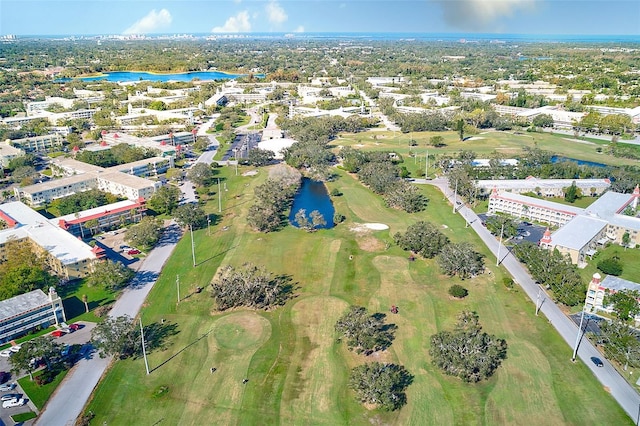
(129, 76)
(311, 196)
(558, 159)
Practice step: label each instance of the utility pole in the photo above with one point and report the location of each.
(426, 168)
(193, 246)
(178, 286)
(538, 304)
(219, 197)
(579, 336)
(499, 245)
(144, 351)
(209, 225)
(455, 197)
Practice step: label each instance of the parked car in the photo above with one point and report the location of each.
(57, 333)
(597, 361)
(15, 348)
(4, 376)
(6, 353)
(75, 327)
(133, 251)
(13, 403)
(10, 396)
(7, 387)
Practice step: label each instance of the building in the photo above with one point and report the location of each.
(30, 311)
(48, 142)
(8, 153)
(543, 187)
(533, 209)
(65, 255)
(98, 219)
(599, 288)
(612, 218)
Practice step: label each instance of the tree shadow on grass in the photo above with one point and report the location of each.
(156, 335)
(74, 307)
(216, 255)
(181, 350)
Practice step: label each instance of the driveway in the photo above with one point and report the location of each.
(624, 393)
(66, 404)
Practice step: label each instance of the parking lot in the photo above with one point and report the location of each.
(80, 337)
(526, 231)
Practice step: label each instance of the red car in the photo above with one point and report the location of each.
(57, 333)
(75, 327)
(133, 251)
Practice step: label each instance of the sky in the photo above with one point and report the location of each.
(87, 17)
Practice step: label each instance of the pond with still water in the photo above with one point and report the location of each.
(311, 196)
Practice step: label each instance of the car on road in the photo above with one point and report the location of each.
(10, 396)
(133, 251)
(7, 387)
(13, 403)
(597, 361)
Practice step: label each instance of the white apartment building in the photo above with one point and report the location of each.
(544, 187)
(23, 313)
(8, 153)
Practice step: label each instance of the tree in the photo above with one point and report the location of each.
(111, 275)
(115, 336)
(436, 141)
(190, 214)
(317, 220)
(422, 238)
(458, 291)
(365, 333)
(165, 199)
(249, 286)
(460, 259)
(146, 233)
(467, 352)
(174, 174)
(624, 304)
(626, 240)
(381, 384)
(200, 174)
(302, 220)
(42, 348)
(260, 157)
(572, 193)
(501, 222)
(542, 120)
(22, 270)
(460, 128)
(621, 343)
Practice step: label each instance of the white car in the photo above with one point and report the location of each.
(7, 387)
(13, 403)
(15, 348)
(6, 353)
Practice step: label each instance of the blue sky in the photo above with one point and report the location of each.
(56, 17)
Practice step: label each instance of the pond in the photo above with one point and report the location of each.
(311, 196)
(558, 159)
(130, 76)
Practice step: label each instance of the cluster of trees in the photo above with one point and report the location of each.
(467, 352)
(381, 384)
(249, 286)
(145, 233)
(425, 239)
(23, 270)
(165, 200)
(110, 275)
(501, 223)
(379, 172)
(311, 223)
(365, 333)
(83, 201)
(272, 199)
(611, 265)
(553, 270)
(41, 348)
(200, 174)
(118, 154)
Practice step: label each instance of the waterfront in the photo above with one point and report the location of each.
(131, 76)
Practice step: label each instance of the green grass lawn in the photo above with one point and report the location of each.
(298, 372)
(628, 258)
(39, 395)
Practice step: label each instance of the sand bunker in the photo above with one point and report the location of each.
(369, 226)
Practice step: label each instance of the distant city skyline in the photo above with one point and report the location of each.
(146, 17)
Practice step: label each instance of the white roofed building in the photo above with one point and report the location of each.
(23, 313)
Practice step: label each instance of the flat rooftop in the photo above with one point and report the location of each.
(97, 211)
(617, 284)
(130, 181)
(17, 305)
(578, 232)
(533, 183)
(56, 241)
(57, 183)
(537, 202)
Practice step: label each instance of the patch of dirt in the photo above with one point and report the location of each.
(370, 244)
(579, 141)
(250, 173)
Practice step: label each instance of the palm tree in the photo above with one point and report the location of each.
(85, 300)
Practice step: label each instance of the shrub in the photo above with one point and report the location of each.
(338, 218)
(508, 282)
(458, 291)
(610, 266)
(335, 192)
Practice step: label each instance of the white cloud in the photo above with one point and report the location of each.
(152, 22)
(235, 24)
(480, 14)
(300, 29)
(275, 13)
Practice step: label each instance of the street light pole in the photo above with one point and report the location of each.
(538, 303)
(178, 286)
(579, 336)
(455, 196)
(193, 246)
(499, 245)
(426, 167)
(144, 351)
(219, 197)
(209, 225)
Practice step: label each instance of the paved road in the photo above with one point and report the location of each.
(619, 388)
(67, 402)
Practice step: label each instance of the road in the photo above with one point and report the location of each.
(67, 402)
(620, 389)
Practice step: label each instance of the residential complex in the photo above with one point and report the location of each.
(26, 312)
(66, 255)
(102, 218)
(580, 231)
(544, 187)
(599, 288)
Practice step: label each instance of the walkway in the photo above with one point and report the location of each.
(620, 389)
(66, 404)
